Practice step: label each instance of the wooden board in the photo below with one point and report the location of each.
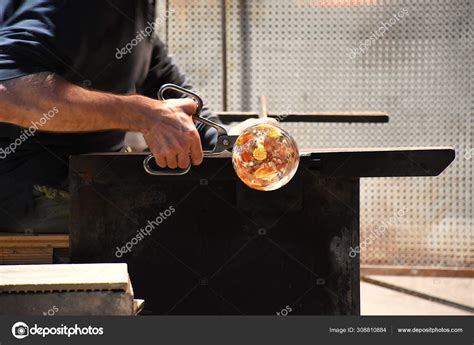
(347, 117)
(33, 241)
(31, 278)
(21, 249)
(76, 303)
(417, 271)
(15, 256)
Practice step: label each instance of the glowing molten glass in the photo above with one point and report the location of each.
(265, 157)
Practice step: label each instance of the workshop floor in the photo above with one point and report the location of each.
(376, 300)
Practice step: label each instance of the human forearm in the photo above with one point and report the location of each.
(167, 126)
(25, 100)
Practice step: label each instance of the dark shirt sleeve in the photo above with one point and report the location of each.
(26, 47)
(163, 70)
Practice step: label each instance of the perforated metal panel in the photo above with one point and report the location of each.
(300, 54)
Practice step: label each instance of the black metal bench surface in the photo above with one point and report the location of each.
(227, 249)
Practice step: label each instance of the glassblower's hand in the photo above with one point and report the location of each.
(172, 136)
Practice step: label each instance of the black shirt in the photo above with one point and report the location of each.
(83, 41)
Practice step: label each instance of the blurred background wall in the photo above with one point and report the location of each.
(354, 55)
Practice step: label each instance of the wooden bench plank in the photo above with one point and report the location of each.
(74, 277)
(345, 117)
(23, 256)
(78, 303)
(34, 241)
(452, 272)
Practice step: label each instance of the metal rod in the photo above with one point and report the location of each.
(224, 52)
(245, 57)
(167, 23)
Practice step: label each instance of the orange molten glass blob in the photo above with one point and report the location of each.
(265, 157)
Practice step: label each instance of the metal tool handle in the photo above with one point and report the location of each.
(162, 171)
(197, 116)
(172, 87)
